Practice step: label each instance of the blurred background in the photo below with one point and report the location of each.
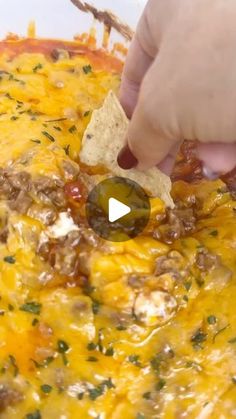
(60, 18)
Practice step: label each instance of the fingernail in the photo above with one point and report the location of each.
(209, 174)
(126, 159)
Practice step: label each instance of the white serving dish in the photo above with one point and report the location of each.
(60, 18)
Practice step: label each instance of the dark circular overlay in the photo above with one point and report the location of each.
(127, 192)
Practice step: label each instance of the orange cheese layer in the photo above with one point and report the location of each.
(105, 344)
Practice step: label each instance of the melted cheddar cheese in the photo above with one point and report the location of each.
(92, 329)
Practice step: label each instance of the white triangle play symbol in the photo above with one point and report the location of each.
(117, 210)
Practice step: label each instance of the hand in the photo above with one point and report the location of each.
(179, 82)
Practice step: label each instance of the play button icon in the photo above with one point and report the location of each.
(117, 209)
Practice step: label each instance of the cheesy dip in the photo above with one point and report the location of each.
(88, 328)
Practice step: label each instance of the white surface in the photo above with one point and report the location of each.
(63, 226)
(117, 210)
(60, 18)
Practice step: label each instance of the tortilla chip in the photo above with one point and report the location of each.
(102, 141)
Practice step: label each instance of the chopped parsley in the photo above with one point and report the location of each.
(161, 383)
(34, 322)
(134, 359)
(35, 415)
(88, 289)
(39, 66)
(233, 340)
(86, 113)
(214, 233)
(57, 128)
(147, 395)
(211, 319)
(91, 346)
(200, 281)
(109, 352)
(108, 383)
(49, 136)
(57, 120)
(11, 77)
(121, 327)
(140, 416)
(14, 118)
(187, 285)
(95, 306)
(45, 362)
(87, 69)
(9, 96)
(198, 338)
(62, 348)
(72, 129)
(67, 149)
(10, 307)
(96, 392)
(33, 114)
(193, 364)
(36, 141)
(99, 343)
(46, 388)
(99, 390)
(156, 362)
(92, 359)
(31, 307)
(9, 259)
(48, 360)
(13, 363)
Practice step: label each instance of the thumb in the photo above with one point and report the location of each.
(146, 138)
